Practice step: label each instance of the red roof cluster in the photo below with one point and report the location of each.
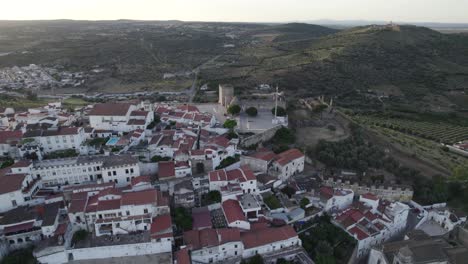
(196, 239)
(243, 174)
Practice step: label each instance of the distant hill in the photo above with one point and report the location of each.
(296, 31)
(414, 65)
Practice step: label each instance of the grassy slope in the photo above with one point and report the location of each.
(413, 61)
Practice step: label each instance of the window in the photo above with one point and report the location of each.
(128, 212)
(114, 173)
(126, 171)
(13, 202)
(109, 173)
(145, 211)
(131, 170)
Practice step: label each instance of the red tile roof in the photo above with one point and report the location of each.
(143, 197)
(19, 227)
(218, 175)
(166, 169)
(209, 237)
(188, 108)
(182, 256)
(232, 211)
(201, 220)
(197, 239)
(370, 196)
(140, 179)
(266, 156)
(139, 113)
(21, 164)
(161, 227)
(106, 205)
(11, 182)
(110, 109)
(326, 192)
(265, 236)
(288, 156)
(360, 234)
(8, 137)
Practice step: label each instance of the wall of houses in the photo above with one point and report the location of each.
(275, 246)
(113, 251)
(67, 173)
(121, 175)
(218, 253)
(398, 193)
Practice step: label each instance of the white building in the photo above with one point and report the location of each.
(218, 245)
(78, 170)
(17, 186)
(243, 177)
(332, 200)
(234, 215)
(214, 245)
(59, 138)
(268, 240)
(121, 117)
(372, 227)
(111, 211)
(288, 163)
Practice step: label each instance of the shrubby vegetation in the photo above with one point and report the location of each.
(234, 109)
(284, 136)
(252, 111)
(60, 154)
(159, 158)
(227, 162)
(358, 154)
(230, 123)
(280, 112)
(272, 202)
(22, 256)
(211, 198)
(7, 162)
(183, 218)
(326, 243)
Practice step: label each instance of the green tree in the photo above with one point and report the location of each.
(281, 111)
(304, 202)
(200, 167)
(230, 123)
(211, 198)
(159, 158)
(234, 109)
(6, 163)
(183, 218)
(252, 111)
(284, 136)
(257, 259)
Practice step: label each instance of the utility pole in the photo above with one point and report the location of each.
(276, 102)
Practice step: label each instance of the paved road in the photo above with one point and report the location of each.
(193, 89)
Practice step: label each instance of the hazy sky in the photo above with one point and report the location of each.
(238, 10)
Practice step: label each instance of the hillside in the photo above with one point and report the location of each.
(409, 64)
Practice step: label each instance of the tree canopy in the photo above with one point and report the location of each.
(281, 111)
(230, 123)
(252, 111)
(234, 109)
